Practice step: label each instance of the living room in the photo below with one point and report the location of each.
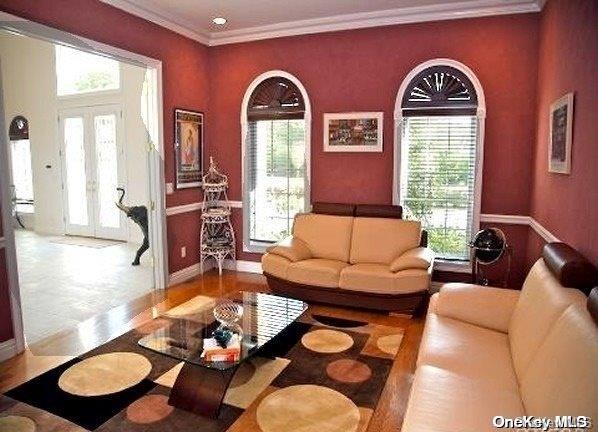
(517, 70)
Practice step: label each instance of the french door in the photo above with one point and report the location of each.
(92, 168)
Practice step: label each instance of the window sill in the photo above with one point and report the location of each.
(452, 266)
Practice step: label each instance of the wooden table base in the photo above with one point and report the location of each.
(200, 390)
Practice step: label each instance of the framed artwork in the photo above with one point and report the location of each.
(561, 134)
(188, 126)
(353, 132)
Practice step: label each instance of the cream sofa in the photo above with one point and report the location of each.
(364, 256)
(491, 352)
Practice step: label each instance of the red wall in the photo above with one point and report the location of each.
(361, 70)
(185, 82)
(567, 205)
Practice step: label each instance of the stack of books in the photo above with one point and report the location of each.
(213, 352)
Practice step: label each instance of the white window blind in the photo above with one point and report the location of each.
(275, 177)
(22, 175)
(438, 163)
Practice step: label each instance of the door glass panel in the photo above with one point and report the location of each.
(76, 178)
(107, 169)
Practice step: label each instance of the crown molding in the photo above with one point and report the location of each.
(162, 18)
(415, 14)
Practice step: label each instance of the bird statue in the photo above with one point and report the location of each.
(137, 214)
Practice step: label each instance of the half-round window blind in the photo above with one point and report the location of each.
(276, 98)
(18, 129)
(440, 90)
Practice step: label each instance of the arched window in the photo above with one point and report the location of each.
(439, 119)
(275, 119)
(20, 158)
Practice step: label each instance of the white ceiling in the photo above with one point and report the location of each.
(264, 19)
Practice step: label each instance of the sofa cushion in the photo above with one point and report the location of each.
(563, 378)
(377, 278)
(326, 236)
(543, 299)
(275, 265)
(419, 257)
(380, 241)
(444, 401)
(467, 350)
(316, 271)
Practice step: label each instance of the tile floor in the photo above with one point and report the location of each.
(63, 285)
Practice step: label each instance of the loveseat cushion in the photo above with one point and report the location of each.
(419, 257)
(275, 265)
(543, 299)
(316, 271)
(377, 278)
(292, 248)
(465, 349)
(444, 401)
(563, 379)
(326, 236)
(380, 241)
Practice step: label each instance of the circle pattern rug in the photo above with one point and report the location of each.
(389, 344)
(16, 424)
(327, 341)
(349, 371)
(307, 408)
(105, 374)
(149, 409)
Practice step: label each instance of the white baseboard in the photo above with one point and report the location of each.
(8, 349)
(187, 273)
(244, 266)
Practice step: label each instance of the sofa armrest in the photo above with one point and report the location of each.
(479, 305)
(417, 258)
(291, 248)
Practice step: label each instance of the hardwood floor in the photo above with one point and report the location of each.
(67, 344)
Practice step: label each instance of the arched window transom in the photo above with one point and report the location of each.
(18, 129)
(276, 98)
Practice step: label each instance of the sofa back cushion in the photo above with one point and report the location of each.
(562, 379)
(542, 301)
(326, 236)
(381, 240)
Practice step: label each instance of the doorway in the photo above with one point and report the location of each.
(93, 137)
(93, 167)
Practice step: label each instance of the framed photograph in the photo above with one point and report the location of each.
(353, 132)
(188, 126)
(561, 135)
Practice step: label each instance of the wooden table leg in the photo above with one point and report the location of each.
(200, 389)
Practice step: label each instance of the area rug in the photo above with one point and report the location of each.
(322, 374)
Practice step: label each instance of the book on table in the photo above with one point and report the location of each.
(212, 351)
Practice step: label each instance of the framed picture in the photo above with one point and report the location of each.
(353, 132)
(561, 134)
(188, 126)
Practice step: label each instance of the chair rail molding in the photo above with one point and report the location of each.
(520, 220)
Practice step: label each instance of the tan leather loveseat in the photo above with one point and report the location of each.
(490, 352)
(353, 255)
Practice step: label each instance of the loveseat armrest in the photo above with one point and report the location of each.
(292, 248)
(416, 258)
(483, 306)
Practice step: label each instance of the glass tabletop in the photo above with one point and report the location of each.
(263, 317)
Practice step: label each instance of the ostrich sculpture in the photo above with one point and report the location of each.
(137, 214)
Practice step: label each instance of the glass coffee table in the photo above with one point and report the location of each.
(201, 385)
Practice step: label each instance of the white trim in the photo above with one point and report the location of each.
(187, 208)
(188, 273)
(414, 14)
(542, 231)
(8, 349)
(452, 266)
(17, 25)
(244, 266)
(505, 219)
(162, 18)
(2, 242)
(481, 118)
(247, 247)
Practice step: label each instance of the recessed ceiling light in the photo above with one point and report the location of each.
(219, 21)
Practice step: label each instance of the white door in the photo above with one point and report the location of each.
(93, 167)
